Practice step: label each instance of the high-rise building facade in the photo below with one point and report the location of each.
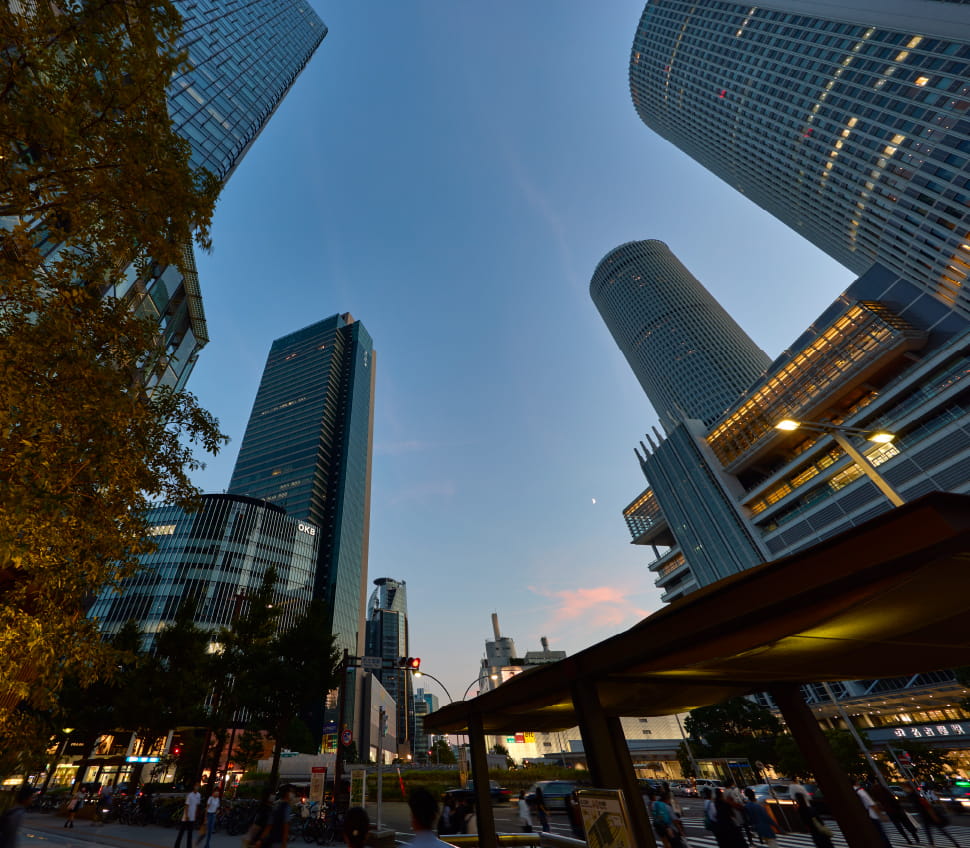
(847, 121)
(214, 557)
(245, 57)
(387, 638)
(691, 357)
(307, 448)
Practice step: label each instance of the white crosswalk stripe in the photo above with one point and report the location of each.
(698, 837)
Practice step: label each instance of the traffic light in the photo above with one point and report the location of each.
(411, 663)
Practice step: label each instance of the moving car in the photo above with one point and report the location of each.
(555, 793)
(499, 794)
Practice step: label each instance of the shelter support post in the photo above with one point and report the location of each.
(840, 797)
(487, 837)
(608, 757)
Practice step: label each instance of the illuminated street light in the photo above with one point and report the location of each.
(840, 433)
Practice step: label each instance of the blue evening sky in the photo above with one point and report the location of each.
(451, 173)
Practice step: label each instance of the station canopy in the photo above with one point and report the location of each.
(885, 599)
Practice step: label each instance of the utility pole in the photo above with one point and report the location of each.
(338, 765)
(381, 732)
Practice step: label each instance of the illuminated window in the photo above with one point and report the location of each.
(921, 81)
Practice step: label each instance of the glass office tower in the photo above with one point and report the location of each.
(848, 121)
(387, 637)
(245, 57)
(692, 359)
(307, 448)
(214, 556)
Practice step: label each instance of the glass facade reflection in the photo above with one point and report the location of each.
(307, 448)
(214, 556)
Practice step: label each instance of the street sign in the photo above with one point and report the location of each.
(347, 737)
(372, 663)
(318, 780)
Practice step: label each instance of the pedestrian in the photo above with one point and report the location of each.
(760, 821)
(873, 809)
(894, 810)
(733, 797)
(665, 825)
(525, 814)
(576, 816)
(211, 810)
(541, 811)
(11, 820)
(930, 815)
(447, 821)
(710, 815)
(263, 811)
(356, 827)
(276, 831)
(107, 801)
(190, 811)
(424, 811)
(727, 831)
(795, 789)
(820, 832)
(74, 805)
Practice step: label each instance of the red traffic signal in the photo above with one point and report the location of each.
(414, 663)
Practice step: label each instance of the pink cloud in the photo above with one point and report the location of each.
(599, 606)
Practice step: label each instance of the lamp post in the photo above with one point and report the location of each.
(841, 433)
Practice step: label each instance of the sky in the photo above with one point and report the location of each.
(451, 173)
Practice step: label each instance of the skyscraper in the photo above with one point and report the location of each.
(245, 57)
(215, 557)
(387, 637)
(691, 357)
(847, 121)
(307, 448)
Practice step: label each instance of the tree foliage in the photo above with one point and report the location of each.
(441, 752)
(737, 727)
(88, 163)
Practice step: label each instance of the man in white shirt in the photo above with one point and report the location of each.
(190, 811)
(424, 811)
(211, 808)
(873, 809)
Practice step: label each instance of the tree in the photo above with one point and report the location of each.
(441, 752)
(929, 763)
(789, 759)
(89, 168)
(498, 748)
(737, 727)
(297, 668)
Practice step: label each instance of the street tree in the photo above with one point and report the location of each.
(737, 727)
(92, 178)
(441, 752)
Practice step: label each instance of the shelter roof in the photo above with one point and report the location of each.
(888, 598)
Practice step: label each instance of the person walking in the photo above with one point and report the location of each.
(873, 809)
(894, 810)
(541, 811)
(525, 814)
(211, 811)
(820, 832)
(424, 811)
(931, 816)
(732, 794)
(356, 827)
(190, 811)
(277, 830)
(74, 805)
(665, 824)
(576, 816)
(11, 820)
(759, 819)
(727, 831)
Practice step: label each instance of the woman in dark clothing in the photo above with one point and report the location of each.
(820, 832)
(726, 830)
(541, 811)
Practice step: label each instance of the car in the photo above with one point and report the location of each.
(957, 795)
(499, 794)
(555, 793)
(780, 793)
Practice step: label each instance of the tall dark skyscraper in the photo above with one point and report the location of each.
(692, 359)
(245, 56)
(307, 448)
(847, 121)
(387, 637)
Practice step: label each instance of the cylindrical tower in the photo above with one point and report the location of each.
(691, 357)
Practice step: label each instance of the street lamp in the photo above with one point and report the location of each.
(841, 433)
(478, 679)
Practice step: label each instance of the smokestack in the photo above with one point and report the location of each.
(545, 644)
(498, 634)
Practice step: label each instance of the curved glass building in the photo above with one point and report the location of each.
(847, 121)
(214, 556)
(692, 359)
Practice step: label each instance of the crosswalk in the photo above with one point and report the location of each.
(698, 837)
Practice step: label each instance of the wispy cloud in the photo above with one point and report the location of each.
(597, 606)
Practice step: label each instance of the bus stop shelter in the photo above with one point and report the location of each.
(885, 599)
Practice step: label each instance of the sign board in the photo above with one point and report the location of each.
(605, 818)
(330, 727)
(372, 663)
(141, 759)
(358, 788)
(462, 766)
(318, 782)
(347, 736)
